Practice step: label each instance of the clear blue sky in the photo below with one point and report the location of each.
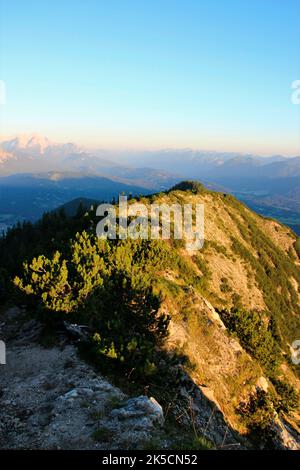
(212, 74)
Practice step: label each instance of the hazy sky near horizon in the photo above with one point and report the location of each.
(212, 74)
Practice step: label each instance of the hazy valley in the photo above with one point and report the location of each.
(37, 176)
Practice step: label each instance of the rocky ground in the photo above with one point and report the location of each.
(51, 399)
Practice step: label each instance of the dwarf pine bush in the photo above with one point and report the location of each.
(108, 286)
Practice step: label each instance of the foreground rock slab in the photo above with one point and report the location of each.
(50, 399)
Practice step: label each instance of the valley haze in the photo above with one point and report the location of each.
(37, 175)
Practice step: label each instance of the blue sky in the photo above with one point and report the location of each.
(211, 74)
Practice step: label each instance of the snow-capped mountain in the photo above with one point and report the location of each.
(35, 153)
(34, 144)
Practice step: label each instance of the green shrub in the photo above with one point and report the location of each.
(289, 398)
(258, 414)
(126, 322)
(61, 284)
(224, 286)
(297, 246)
(108, 287)
(192, 442)
(189, 185)
(254, 335)
(102, 435)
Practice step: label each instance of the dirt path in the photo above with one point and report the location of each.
(51, 399)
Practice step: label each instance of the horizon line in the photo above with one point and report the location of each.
(135, 148)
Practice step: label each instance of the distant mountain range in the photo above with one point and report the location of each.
(38, 175)
(36, 154)
(263, 181)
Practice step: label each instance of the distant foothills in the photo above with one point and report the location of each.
(37, 176)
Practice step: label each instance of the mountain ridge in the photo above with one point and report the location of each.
(234, 308)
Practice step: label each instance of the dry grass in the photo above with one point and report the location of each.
(219, 362)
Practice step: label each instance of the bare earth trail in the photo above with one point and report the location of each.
(51, 399)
